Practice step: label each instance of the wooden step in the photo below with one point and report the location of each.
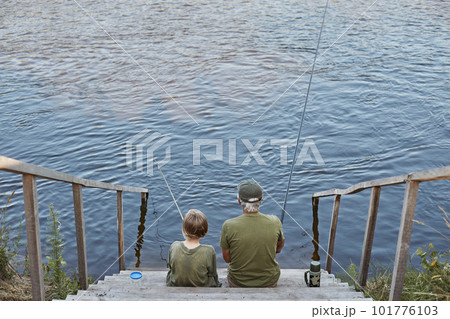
(152, 286)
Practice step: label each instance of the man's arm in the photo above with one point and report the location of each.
(280, 245)
(226, 255)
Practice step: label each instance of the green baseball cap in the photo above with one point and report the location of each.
(250, 191)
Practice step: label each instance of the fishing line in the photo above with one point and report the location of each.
(129, 247)
(334, 260)
(173, 197)
(303, 115)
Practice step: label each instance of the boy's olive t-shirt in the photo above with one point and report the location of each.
(192, 267)
(252, 240)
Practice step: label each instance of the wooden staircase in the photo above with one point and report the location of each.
(152, 286)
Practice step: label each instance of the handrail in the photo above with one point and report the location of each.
(412, 181)
(19, 167)
(29, 174)
(429, 175)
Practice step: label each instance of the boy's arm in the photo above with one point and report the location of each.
(212, 268)
(226, 255)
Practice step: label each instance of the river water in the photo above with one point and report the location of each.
(215, 89)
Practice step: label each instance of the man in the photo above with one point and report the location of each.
(251, 241)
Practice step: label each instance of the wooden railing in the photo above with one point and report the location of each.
(29, 174)
(404, 236)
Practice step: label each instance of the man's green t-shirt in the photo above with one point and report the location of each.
(192, 267)
(252, 239)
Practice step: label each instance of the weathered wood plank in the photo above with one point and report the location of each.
(158, 281)
(80, 235)
(332, 236)
(151, 286)
(120, 230)
(432, 174)
(368, 237)
(395, 180)
(428, 175)
(19, 167)
(222, 295)
(409, 203)
(404, 237)
(33, 236)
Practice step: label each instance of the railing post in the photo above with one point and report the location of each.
(315, 228)
(120, 230)
(33, 236)
(334, 220)
(404, 237)
(77, 190)
(144, 198)
(368, 235)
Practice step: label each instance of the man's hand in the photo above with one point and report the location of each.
(226, 255)
(280, 245)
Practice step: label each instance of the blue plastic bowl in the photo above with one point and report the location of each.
(136, 275)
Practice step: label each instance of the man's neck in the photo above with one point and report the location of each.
(247, 212)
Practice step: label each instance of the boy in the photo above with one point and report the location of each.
(191, 263)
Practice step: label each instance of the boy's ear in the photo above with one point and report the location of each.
(239, 200)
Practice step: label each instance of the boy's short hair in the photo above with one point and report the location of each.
(194, 225)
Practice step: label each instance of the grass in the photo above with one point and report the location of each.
(18, 288)
(15, 289)
(14, 286)
(431, 282)
(419, 285)
(9, 247)
(60, 284)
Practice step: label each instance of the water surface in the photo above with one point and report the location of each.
(80, 79)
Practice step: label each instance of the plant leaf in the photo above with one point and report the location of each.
(10, 197)
(416, 221)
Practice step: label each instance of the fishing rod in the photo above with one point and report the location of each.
(173, 197)
(303, 115)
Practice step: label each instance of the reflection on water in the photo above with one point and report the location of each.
(315, 228)
(141, 229)
(71, 98)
